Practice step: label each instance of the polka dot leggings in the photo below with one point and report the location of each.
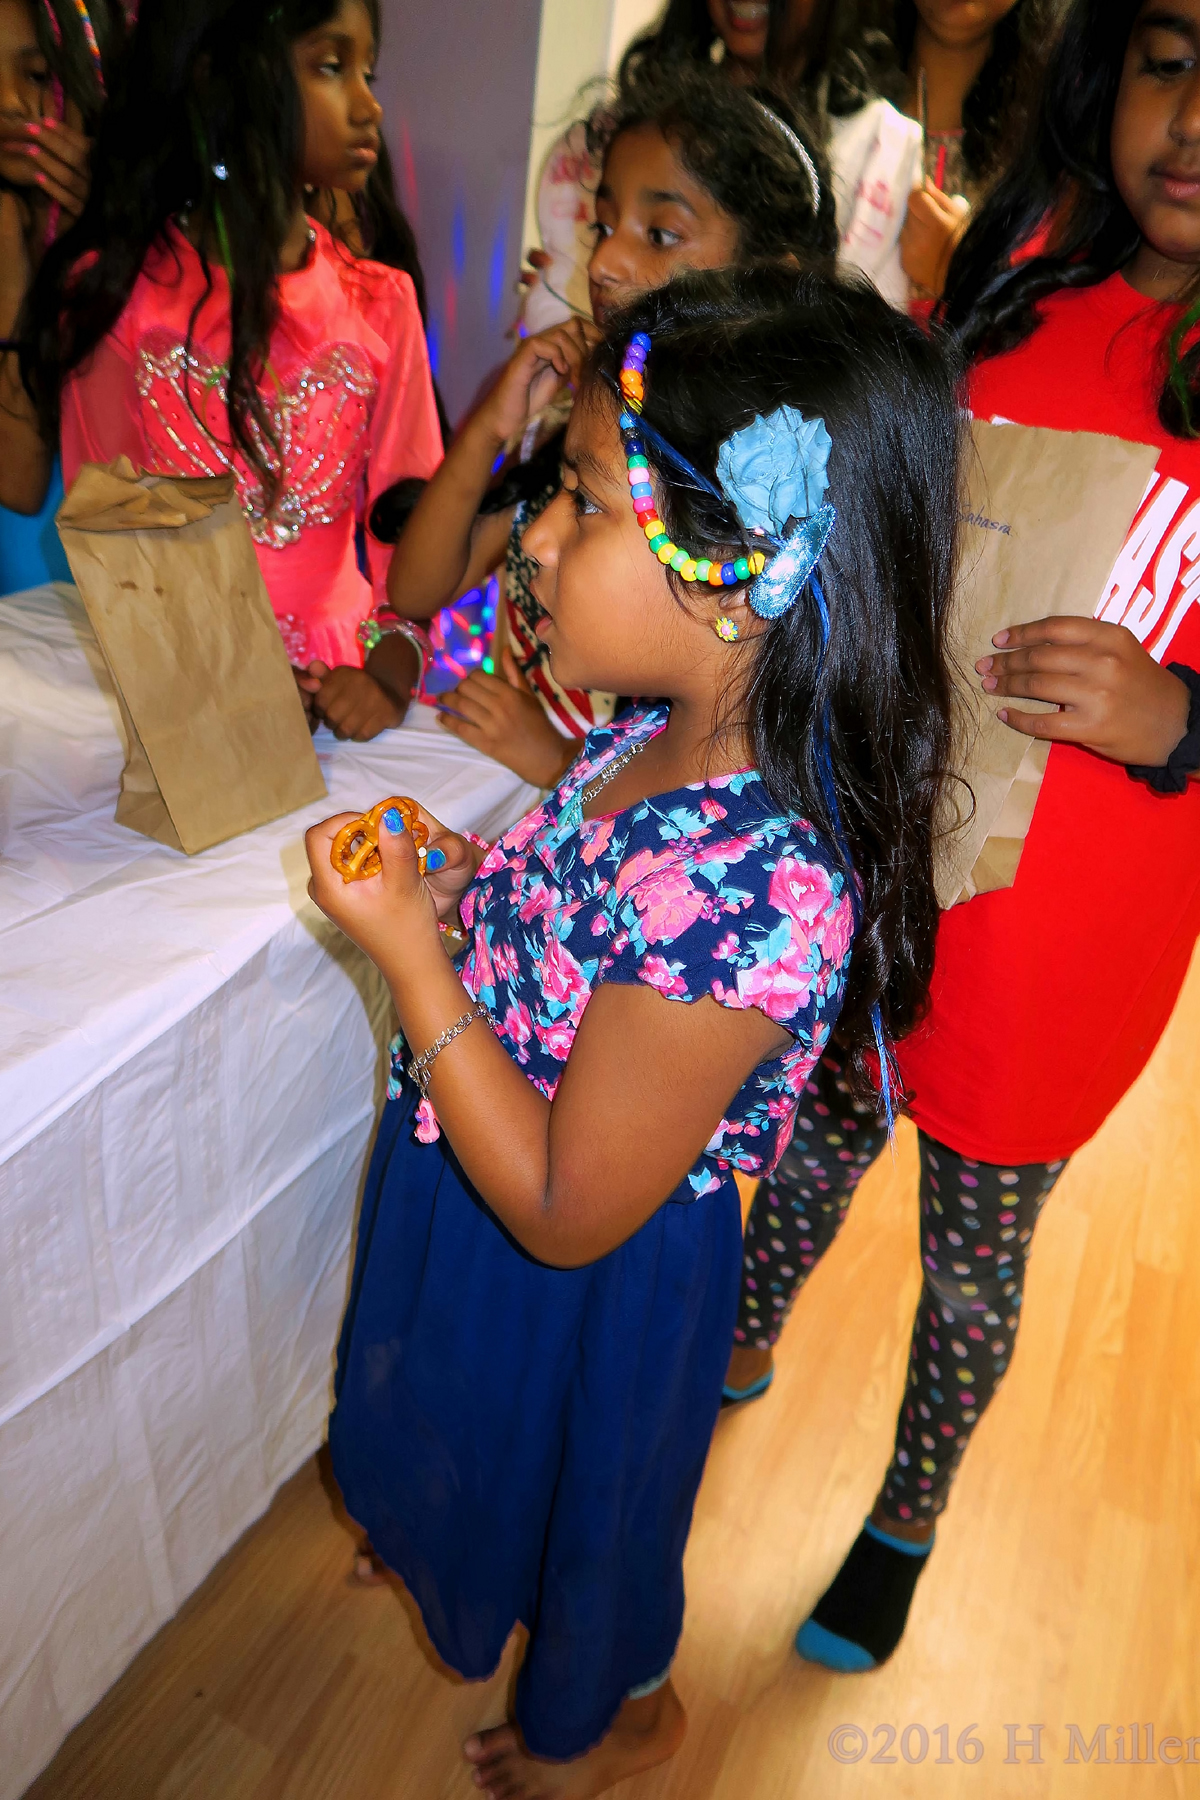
(976, 1224)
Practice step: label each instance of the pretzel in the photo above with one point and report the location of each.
(354, 852)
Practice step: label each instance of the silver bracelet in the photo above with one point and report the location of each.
(420, 1069)
(371, 633)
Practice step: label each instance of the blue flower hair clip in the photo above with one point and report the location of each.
(774, 470)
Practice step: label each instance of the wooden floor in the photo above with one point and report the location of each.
(1064, 1589)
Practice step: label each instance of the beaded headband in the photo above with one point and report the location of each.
(691, 568)
(803, 445)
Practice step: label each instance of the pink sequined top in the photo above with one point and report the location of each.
(350, 392)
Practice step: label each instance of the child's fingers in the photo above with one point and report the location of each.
(318, 839)
(62, 152)
(59, 192)
(449, 862)
(1052, 690)
(71, 181)
(70, 142)
(477, 736)
(1058, 660)
(318, 842)
(398, 853)
(480, 697)
(1067, 629)
(514, 674)
(71, 202)
(1061, 727)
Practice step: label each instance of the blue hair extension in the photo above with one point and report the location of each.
(681, 465)
(825, 771)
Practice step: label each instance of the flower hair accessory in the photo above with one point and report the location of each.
(773, 471)
(691, 568)
(776, 469)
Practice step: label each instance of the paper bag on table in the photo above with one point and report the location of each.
(1045, 515)
(216, 738)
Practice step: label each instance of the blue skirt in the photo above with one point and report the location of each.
(524, 1443)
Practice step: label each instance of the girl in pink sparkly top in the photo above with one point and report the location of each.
(206, 323)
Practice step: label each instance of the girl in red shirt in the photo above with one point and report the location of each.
(1038, 1024)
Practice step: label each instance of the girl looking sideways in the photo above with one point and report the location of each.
(756, 524)
(196, 320)
(695, 173)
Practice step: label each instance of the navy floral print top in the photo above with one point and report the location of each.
(706, 890)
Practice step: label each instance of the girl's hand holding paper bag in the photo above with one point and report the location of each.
(1113, 697)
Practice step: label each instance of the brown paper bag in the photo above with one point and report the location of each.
(216, 738)
(1044, 518)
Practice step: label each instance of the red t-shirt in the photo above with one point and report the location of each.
(1049, 996)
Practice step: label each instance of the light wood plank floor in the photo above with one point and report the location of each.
(1064, 1588)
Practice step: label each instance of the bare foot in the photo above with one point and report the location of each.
(747, 1365)
(646, 1732)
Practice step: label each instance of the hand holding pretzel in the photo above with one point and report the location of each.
(354, 852)
(398, 914)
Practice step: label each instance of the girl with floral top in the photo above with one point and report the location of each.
(547, 1269)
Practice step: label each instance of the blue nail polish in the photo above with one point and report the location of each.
(392, 819)
(434, 861)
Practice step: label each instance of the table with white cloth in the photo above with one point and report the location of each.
(191, 1066)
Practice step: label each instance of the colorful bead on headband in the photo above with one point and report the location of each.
(691, 568)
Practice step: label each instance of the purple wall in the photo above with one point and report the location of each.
(456, 81)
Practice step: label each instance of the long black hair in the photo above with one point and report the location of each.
(996, 111)
(726, 347)
(1061, 195)
(208, 121)
(841, 48)
(731, 140)
(843, 58)
(685, 30)
(387, 234)
(64, 42)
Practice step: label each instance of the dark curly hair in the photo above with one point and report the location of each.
(732, 345)
(730, 139)
(996, 111)
(206, 84)
(1064, 175)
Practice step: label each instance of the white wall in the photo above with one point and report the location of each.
(457, 83)
(579, 42)
(629, 17)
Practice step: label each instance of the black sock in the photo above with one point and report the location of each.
(868, 1599)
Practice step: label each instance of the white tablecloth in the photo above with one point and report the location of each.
(190, 1067)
